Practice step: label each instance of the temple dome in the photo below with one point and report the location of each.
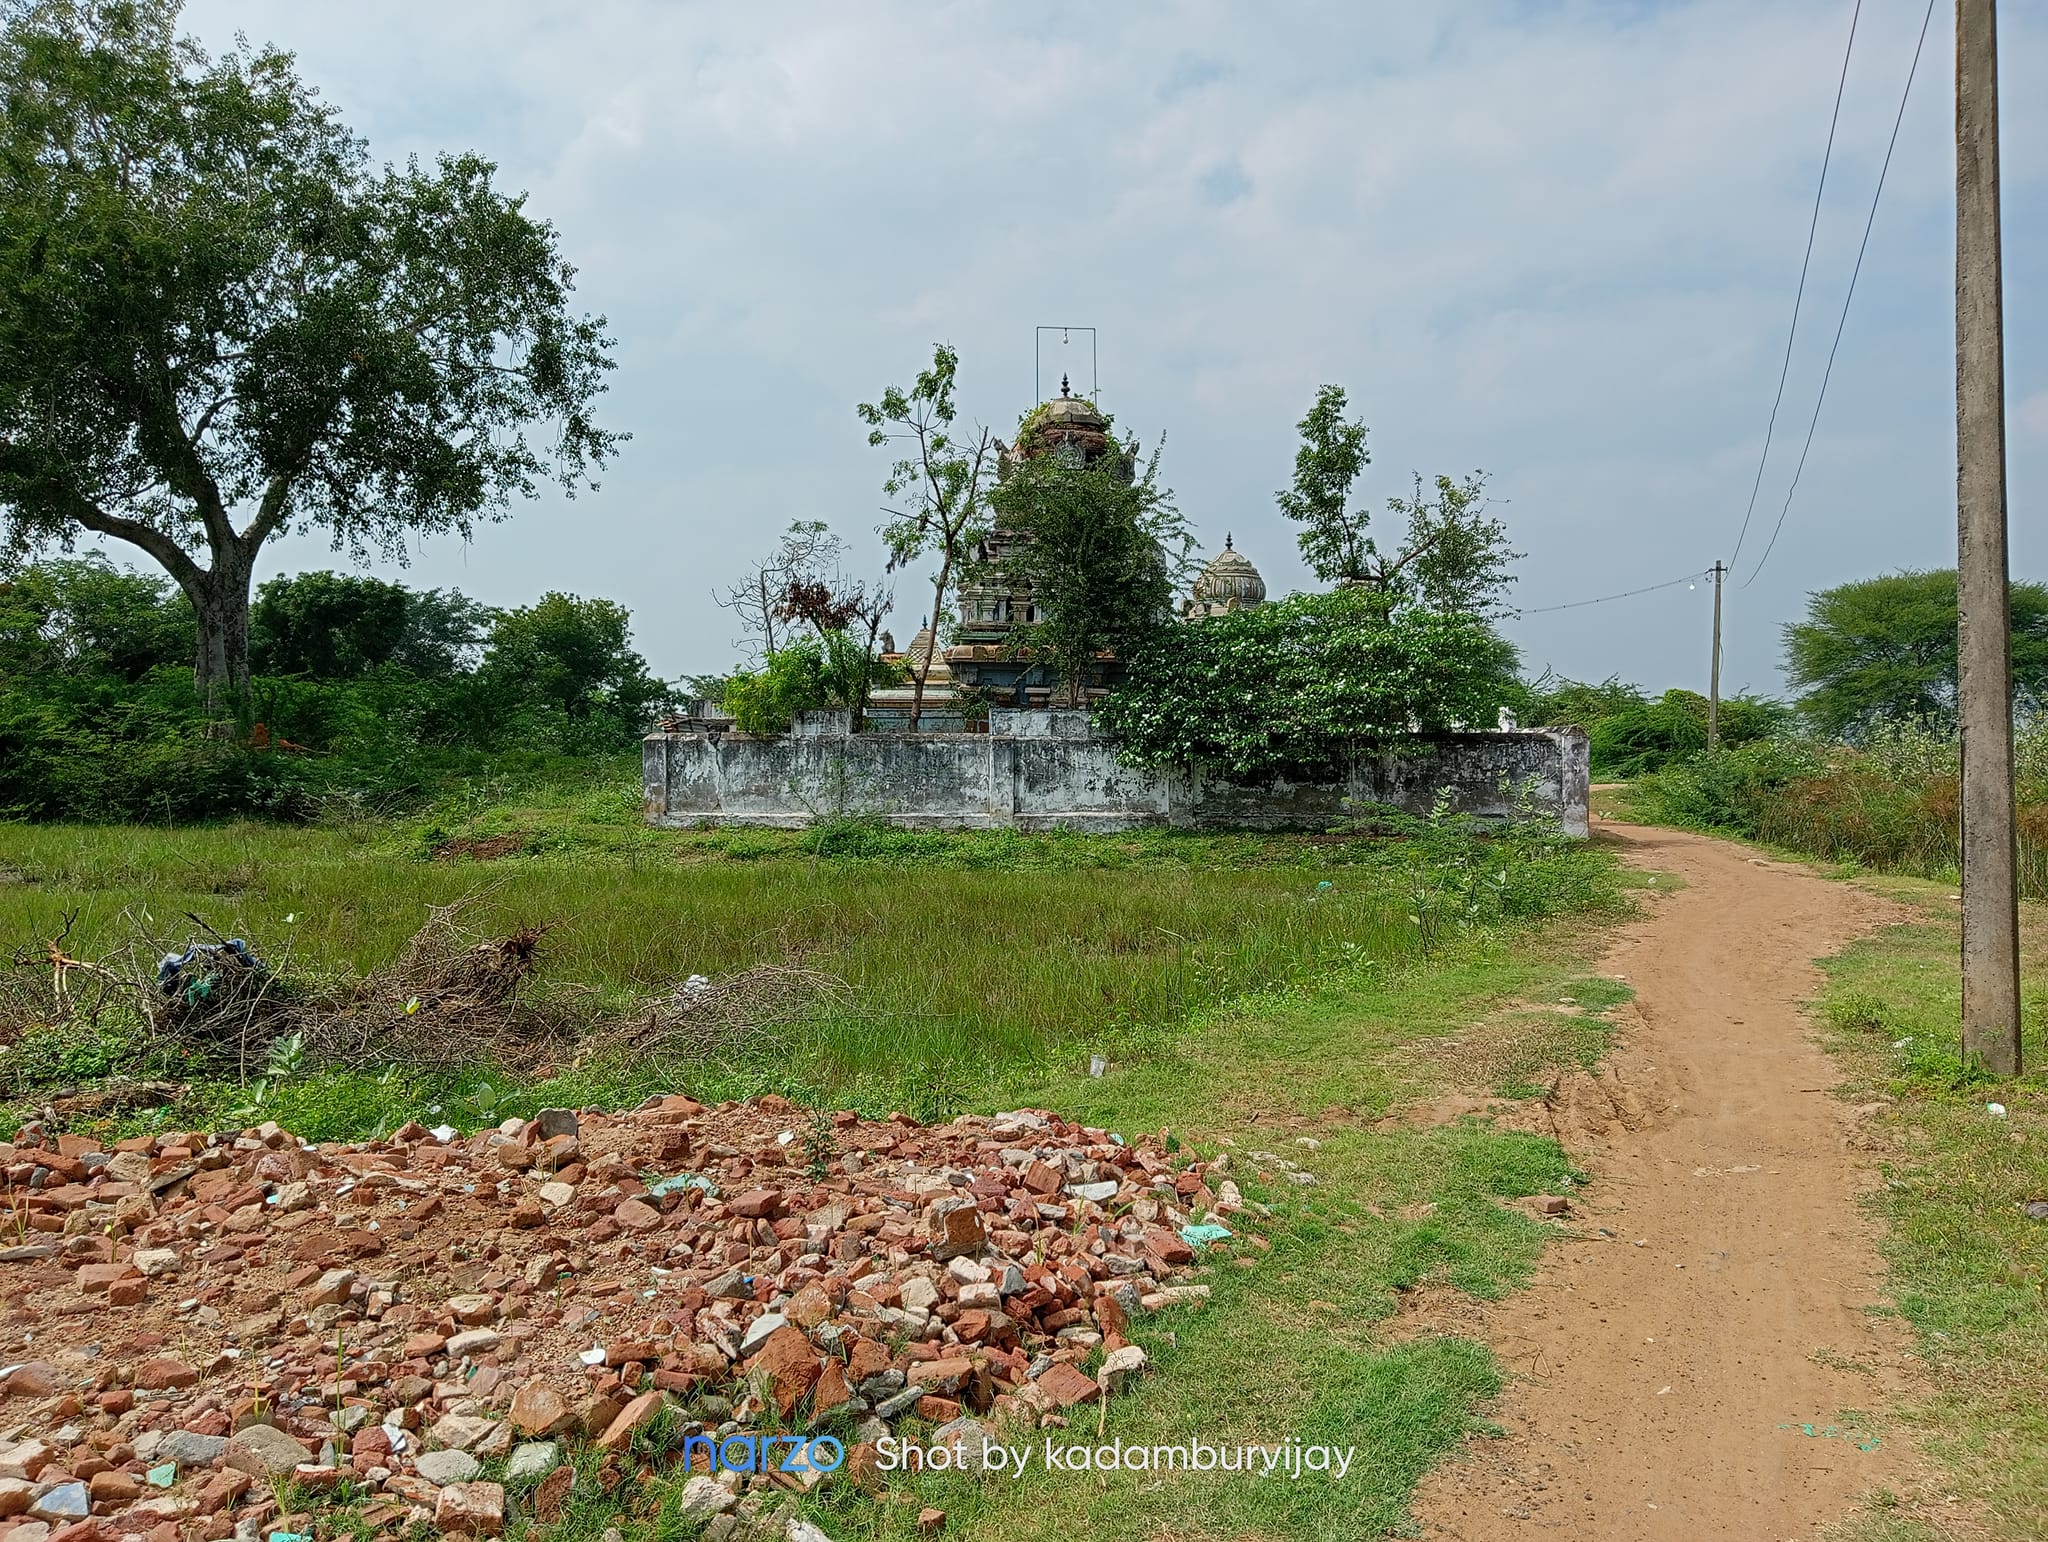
(923, 646)
(1069, 426)
(1228, 583)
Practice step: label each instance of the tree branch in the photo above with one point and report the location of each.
(162, 547)
(275, 507)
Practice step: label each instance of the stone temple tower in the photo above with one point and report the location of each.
(1067, 426)
(1228, 583)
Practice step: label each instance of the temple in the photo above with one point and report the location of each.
(983, 668)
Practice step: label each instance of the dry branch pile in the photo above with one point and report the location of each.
(707, 1019)
(459, 995)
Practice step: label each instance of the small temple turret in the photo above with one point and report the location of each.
(1228, 583)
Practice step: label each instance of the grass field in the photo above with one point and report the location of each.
(1969, 1266)
(977, 969)
(1275, 993)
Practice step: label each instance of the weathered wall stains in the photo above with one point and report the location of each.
(1039, 770)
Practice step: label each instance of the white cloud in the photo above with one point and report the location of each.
(1558, 242)
(2032, 416)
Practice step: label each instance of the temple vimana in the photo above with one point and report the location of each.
(980, 667)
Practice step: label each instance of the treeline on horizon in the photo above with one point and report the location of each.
(363, 691)
(369, 694)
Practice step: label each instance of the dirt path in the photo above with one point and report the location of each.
(1680, 1378)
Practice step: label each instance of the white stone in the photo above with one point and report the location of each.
(532, 1460)
(704, 1497)
(459, 1432)
(968, 1272)
(442, 1468)
(474, 1341)
(759, 1330)
(156, 1262)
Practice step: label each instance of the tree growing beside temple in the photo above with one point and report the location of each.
(1460, 563)
(1289, 688)
(1453, 556)
(1101, 553)
(220, 323)
(1333, 536)
(942, 481)
(836, 663)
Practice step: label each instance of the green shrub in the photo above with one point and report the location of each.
(1641, 737)
(371, 697)
(1891, 804)
(833, 670)
(1288, 687)
(1732, 788)
(1550, 701)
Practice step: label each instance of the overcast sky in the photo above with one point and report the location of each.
(1554, 240)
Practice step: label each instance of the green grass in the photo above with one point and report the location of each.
(1252, 994)
(979, 968)
(1968, 1268)
(1297, 1344)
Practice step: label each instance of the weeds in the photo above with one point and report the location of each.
(1889, 805)
(1968, 1265)
(928, 977)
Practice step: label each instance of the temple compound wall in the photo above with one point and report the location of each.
(1041, 770)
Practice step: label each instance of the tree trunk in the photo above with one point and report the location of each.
(220, 602)
(923, 671)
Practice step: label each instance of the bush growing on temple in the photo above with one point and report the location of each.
(1291, 687)
(1099, 550)
(831, 669)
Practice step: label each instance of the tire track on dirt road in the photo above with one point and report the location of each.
(1680, 1377)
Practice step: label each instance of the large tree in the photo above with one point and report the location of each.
(341, 626)
(1884, 650)
(219, 322)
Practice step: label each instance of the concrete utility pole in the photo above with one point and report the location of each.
(1991, 944)
(1714, 676)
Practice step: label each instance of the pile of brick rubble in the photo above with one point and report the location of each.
(191, 1318)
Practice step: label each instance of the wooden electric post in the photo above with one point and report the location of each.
(1714, 673)
(1991, 963)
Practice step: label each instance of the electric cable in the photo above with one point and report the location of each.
(1904, 97)
(1626, 594)
(1799, 297)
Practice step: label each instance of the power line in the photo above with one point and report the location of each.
(1854, 273)
(1626, 594)
(1798, 298)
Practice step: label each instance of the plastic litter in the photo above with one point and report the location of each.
(162, 1477)
(1995, 1110)
(1201, 1235)
(175, 972)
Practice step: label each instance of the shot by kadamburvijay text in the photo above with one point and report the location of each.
(1283, 1461)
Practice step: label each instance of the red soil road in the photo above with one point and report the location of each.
(1662, 1390)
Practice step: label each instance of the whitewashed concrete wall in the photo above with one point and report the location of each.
(1041, 770)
